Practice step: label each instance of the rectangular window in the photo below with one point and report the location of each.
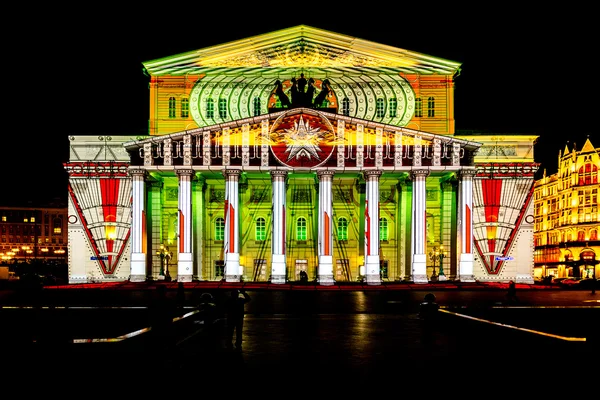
(172, 106)
(185, 107)
(222, 108)
(220, 229)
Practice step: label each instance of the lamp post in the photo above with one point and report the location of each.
(435, 255)
(165, 255)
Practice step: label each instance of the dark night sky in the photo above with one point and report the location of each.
(78, 72)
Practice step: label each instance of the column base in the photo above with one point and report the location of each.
(326, 280)
(232, 278)
(137, 278)
(373, 279)
(278, 279)
(466, 278)
(420, 278)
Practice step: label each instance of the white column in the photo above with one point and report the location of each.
(325, 270)
(232, 220)
(199, 217)
(465, 228)
(372, 266)
(419, 224)
(278, 260)
(184, 257)
(138, 226)
(154, 218)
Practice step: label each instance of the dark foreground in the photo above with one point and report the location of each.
(342, 341)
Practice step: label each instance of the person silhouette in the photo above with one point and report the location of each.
(236, 308)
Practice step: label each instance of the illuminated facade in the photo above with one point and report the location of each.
(301, 150)
(29, 233)
(566, 216)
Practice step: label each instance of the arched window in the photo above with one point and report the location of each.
(260, 231)
(342, 229)
(594, 235)
(256, 106)
(301, 229)
(220, 228)
(210, 108)
(393, 105)
(185, 107)
(431, 107)
(383, 229)
(346, 106)
(588, 174)
(418, 107)
(580, 236)
(172, 107)
(222, 108)
(379, 108)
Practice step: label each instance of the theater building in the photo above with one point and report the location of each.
(301, 150)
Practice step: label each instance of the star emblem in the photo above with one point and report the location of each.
(302, 141)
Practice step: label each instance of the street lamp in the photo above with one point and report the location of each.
(165, 255)
(435, 255)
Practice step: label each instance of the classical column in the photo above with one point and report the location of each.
(419, 224)
(325, 270)
(465, 221)
(199, 215)
(278, 261)
(372, 266)
(232, 228)
(153, 228)
(184, 257)
(138, 226)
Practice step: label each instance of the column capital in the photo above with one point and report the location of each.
(184, 172)
(422, 172)
(278, 172)
(466, 173)
(372, 173)
(232, 173)
(138, 172)
(325, 173)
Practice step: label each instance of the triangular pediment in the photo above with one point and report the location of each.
(301, 47)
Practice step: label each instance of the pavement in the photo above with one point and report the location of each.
(299, 330)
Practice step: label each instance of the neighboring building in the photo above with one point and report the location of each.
(566, 216)
(301, 150)
(29, 233)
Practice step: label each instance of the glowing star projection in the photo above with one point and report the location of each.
(303, 141)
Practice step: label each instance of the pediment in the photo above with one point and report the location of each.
(301, 48)
(297, 138)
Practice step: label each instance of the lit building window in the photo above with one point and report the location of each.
(172, 106)
(342, 229)
(210, 108)
(185, 107)
(383, 229)
(418, 107)
(220, 229)
(261, 229)
(256, 106)
(379, 108)
(301, 229)
(431, 107)
(393, 107)
(222, 108)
